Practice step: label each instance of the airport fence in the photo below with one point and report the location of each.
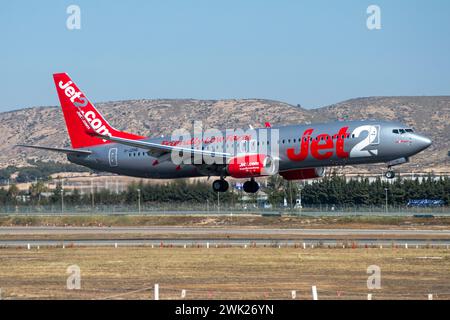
(214, 209)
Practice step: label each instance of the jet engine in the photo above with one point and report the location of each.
(252, 165)
(302, 174)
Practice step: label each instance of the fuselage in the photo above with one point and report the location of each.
(294, 146)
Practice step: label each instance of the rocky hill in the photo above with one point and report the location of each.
(45, 125)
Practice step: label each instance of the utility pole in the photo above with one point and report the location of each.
(139, 200)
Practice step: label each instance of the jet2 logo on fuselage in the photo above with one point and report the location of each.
(322, 145)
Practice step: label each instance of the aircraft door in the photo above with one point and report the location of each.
(113, 157)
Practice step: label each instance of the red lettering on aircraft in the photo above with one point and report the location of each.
(304, 145)
(340, 143)
(321, 147)
(322, 142)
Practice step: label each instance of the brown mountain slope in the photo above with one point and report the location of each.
(45, 125)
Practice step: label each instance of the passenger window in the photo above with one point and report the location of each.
(401, 131)
(410, 130)
(395, 131)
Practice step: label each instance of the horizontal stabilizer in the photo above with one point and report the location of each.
(63, 150)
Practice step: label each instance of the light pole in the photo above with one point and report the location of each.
(62, 200)
(218, 201)
(92, 194)
(386, 194)
(290, 195)
(300, 198)
(139, 200)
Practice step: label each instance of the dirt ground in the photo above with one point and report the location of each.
(347, 222)
(224, 273)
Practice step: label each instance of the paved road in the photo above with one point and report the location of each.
(219, 230)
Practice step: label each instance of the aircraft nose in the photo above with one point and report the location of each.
(422, 142)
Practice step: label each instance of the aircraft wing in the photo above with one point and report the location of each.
(154, 149)
(63, 150)
(157, 149)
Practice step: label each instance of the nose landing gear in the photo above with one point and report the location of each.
(220, 185)
(390, 174)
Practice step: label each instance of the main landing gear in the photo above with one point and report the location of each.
(220, 185)
(390, 174)
(251, 186)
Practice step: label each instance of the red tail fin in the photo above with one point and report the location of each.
(73, 102)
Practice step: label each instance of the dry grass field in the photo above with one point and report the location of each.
(224, 273)
(257, 221)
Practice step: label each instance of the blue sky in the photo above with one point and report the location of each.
(313, 53)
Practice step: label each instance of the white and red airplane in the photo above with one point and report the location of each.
(295, 151)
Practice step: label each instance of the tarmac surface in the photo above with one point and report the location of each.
(262, 236)
(216, 230)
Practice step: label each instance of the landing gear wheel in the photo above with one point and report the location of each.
(220, 185)
(251, 186)
(389, 174)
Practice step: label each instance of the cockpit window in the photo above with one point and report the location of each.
(402, 131)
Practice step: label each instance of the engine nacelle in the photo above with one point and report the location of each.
(252, 165)
(302, 174)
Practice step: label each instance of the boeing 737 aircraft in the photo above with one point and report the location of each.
(295, 152)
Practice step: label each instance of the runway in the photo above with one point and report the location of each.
(218, 230)
(310, 243)
(220, 236)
